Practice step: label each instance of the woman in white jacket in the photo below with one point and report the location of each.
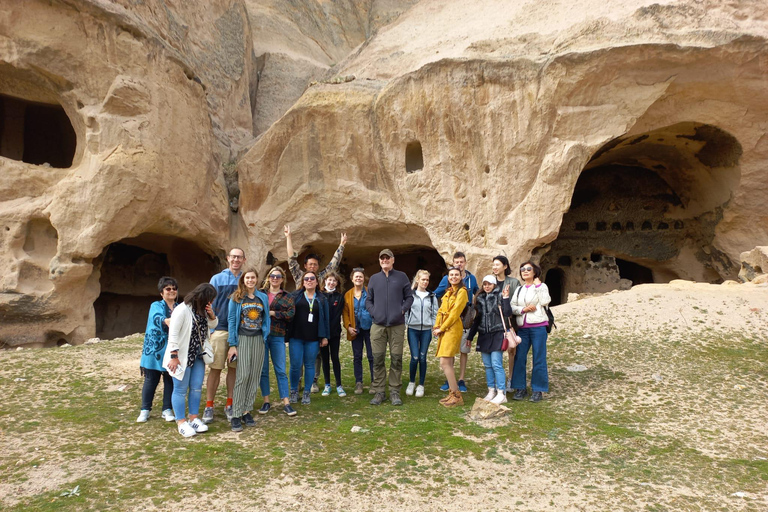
(190, 327)
(528, 303)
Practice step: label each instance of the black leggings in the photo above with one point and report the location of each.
(330, 352)
(151, 380)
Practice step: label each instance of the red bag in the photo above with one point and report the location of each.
(511, 339)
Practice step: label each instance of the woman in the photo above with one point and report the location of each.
(449, 330)
(419, 321)
(191, 323)
(281, 311)
(501, 271)
(306, 333)
(332, 293)
(489, 324)
(248, 321)
(529, 302)
(357, 321)
(155, 341)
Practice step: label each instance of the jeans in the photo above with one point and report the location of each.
(192, 381)
(381, 336)
(494, 369)
(275, 347)
(301, 351)
(363, 338)
(535, 338)
(418, 342)
(329, 353)
(151, 380)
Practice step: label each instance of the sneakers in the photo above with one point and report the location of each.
(293, 397)
(378, 398)
(445, 386)
(410, 388)
(340, 391)
(186, 429)
(462, 386)
(536, 396)
(394, 398)
(314, 388)
(454, 399)
(358, 388)
(520, 394)
(290, 411)
(168, 415)
(248, 420)
(237, 425)
(419, 391)
(501, 397)
(305, 399)
(326, 390)
(198, 425)
(491, 394)
(265, 407)
(143, 416)
(510, 389)
(208, 415)
(228, 412)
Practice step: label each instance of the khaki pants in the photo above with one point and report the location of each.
(380, 337)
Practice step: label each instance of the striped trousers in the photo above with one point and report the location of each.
(250, 359)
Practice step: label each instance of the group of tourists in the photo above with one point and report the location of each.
(238, 323)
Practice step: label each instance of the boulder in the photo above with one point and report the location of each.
(754, 264)
(484, 410)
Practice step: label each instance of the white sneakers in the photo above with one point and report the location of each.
(490, 395)
(168, 415)
(419, 391)
(186, 429)
(410, 388)
(198, 425)
(501, 397)
(143, 416)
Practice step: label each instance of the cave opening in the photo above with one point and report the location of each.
(634, 272)
(555, 281)
(36, 133)
(129, 272)
(414, 157)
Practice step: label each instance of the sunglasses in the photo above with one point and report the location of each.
(275, 276)
(526, 269)
(170, 289)
(310, 278)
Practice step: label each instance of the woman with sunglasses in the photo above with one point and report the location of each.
(306, 333)
(357, 321)
(528, 302)
(281, 311)
(155, 341)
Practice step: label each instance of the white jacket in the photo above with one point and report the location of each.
(179, 333)
(538, 295)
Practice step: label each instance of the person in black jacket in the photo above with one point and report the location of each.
(389, 297)
(332, 292)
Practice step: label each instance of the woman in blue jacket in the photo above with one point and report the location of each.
(248, 320)
(306, 334)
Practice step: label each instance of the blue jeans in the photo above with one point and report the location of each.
(363, 338)
(536, 338)
(275, 347)
(418, 342)
(302, 352)
(494, 369)
(192, 381)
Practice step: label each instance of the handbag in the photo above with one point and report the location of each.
(511, 339)
(550, 318)
(468, 316)
(207, 352)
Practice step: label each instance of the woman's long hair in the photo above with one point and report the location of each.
(201, 296)
(461, 281)
(238, 294)
(265, 284)
(419, 273)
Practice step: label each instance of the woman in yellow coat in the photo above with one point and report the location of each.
(448, 329)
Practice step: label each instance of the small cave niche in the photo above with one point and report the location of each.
(414, 157)
(129, 272)
(36, 133)
(634, 272)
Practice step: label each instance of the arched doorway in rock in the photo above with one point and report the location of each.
(555, 281)
(644, 209)
(130, 270)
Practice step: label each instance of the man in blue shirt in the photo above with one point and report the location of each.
(460, 262)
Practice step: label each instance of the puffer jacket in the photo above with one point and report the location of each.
(488, 318)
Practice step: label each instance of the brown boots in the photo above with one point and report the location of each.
(453, 399)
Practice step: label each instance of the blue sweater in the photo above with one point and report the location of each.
(233, 318)
(469, 281)
(155, 337)
(225, 283)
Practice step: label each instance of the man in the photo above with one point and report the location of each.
(460, 262)
(225, 283)
(311, 264)
(389, 297)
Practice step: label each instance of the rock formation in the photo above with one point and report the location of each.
(616, 142)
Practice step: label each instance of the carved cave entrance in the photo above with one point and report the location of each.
(36, 133)
(130, 270)
(644, 210)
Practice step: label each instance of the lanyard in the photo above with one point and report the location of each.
(310, 302)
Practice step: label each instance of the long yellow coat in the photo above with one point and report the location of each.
(449, 322)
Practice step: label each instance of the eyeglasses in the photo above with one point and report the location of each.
(526, 269)
(275, 276)
(310, 278)
(385, 257)
(170, 289)
(236, 257)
